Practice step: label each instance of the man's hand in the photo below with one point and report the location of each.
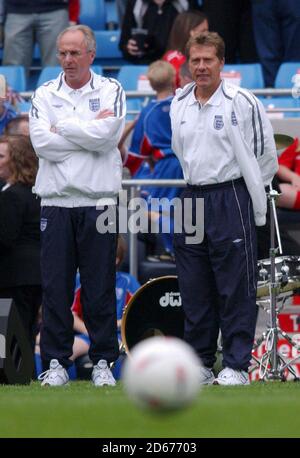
(104, 114)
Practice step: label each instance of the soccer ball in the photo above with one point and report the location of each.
(162, 373)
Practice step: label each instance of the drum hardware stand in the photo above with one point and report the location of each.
(272, 365)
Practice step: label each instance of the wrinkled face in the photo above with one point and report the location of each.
(203, 27)
(75, 58)
(5, 171)
(205, 67)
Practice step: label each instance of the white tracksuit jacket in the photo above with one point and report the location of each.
(251, 137)
(80, 163)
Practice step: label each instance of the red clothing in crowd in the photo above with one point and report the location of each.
(290, 157)
(176, 59)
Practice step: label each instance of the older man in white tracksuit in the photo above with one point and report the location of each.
(76, 122)
(225, 144)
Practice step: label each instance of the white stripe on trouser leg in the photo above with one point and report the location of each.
(245, 237)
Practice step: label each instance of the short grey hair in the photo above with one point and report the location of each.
(88, 34)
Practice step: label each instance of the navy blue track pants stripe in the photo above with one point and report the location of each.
(217, 277)
(70, 241)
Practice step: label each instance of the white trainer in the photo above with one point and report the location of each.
(56, 375)
(102, 375)
(206, 376)
(230, 376)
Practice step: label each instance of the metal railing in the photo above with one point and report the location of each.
(133, 94)
(134, 185)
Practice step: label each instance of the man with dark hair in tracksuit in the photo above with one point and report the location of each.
(225, 144)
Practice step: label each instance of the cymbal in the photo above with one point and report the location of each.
(263, 288)
(282, 141)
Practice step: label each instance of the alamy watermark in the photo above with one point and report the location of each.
(178, 216)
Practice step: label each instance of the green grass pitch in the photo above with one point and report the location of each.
(268, 410)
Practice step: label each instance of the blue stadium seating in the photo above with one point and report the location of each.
(15, 76)
(49, 73)
(108, 44)
(282, 102)
(285, 74)
(93, 14)
(251, 74)
(23, 107)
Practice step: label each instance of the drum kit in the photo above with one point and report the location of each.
(155, 309)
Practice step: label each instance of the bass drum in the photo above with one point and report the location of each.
(155, 309)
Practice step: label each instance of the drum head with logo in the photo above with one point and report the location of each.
(155, 309)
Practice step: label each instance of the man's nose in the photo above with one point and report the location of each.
(201, 64)
(68, 56)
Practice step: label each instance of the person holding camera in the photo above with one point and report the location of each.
(146, 27)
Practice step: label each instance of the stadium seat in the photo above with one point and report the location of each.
(133, 78)
(50, 73)
(249, 76)
(281, 102)
(93, 14)
(288, 75)
(23, 107)
(129, 76)
(108, 44)
(15, 76)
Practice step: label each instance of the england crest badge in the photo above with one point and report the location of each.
(218, 122)
(94, 104)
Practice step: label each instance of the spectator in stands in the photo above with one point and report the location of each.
(7, 112)
(186, 24)
(289, 176)
(277, 34)
(30, 20)
(232, 19)
(20, 230)
(146, 27)
(18, 125)
(76, 123)
(290, 246)
(151, 139)
(151, 142)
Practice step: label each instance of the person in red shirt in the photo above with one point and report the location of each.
(186, 25)
(289, 175)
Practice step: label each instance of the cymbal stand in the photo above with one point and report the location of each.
(272, 365)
